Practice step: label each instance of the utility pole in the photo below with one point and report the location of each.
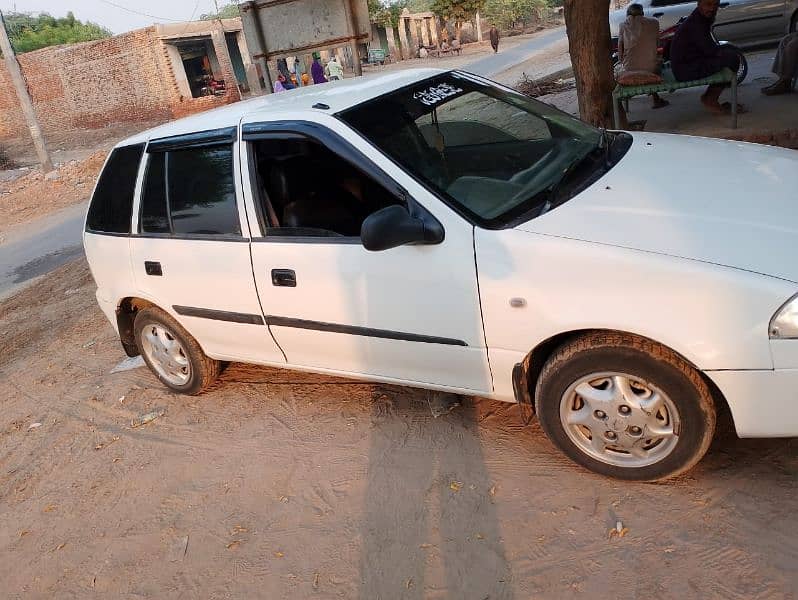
(24, 98)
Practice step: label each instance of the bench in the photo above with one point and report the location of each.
(670, 84)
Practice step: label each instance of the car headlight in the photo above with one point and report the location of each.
(784, 324)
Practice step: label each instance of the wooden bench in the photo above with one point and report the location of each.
(670, 84)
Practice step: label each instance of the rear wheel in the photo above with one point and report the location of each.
(172, 354)
(625, 407)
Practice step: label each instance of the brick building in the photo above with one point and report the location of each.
(157, 73)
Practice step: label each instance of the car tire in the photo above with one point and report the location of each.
(625, 407)
(172, 354)
(742, 71)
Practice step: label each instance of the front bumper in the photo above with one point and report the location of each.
(762, 403)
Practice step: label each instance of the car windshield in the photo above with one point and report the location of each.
(493, 154)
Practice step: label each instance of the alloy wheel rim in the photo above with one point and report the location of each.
(166, 354)
(620, 419)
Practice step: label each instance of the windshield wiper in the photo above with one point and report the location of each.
(554, 190)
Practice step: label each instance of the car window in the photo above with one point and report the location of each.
(112, 203)
(493, 155)
(154, 211)
(475, 119)
(305, 189)
(190, 191)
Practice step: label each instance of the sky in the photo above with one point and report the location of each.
(116, 18)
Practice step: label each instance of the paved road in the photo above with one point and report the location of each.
(39, 247)
(494, 64)
(36, 248)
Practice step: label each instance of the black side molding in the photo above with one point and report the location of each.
(387, 334)
(362, 331)
(218, 315)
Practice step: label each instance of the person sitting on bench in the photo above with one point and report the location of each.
(785, 66)
(695, 54)
(637, 46)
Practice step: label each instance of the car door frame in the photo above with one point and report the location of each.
(340, 138)
(212, 326)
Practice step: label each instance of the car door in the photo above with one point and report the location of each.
(750, 21)
(190, 253)
(409, 314)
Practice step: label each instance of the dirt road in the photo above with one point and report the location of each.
(283, 485)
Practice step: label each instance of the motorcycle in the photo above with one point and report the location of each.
(664, 49)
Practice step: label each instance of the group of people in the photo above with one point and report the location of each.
(694, 53)
(288, 79)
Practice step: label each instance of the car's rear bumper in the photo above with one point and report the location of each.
(762, 403)
(108, 307)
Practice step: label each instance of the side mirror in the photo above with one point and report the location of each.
(394, 226)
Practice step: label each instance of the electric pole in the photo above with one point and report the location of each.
(24, 98)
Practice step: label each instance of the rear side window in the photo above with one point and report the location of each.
(112, 203)
(190, 191)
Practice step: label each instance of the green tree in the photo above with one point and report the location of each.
(31, 31)
(230, 11)
(457, 12)
(379, 13)
(506, 13)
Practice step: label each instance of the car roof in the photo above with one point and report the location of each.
(338, 95)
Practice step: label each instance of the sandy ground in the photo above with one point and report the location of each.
(284, 485)
(34, 195)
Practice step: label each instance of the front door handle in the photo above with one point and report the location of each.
(657, 15)
(283, 277)
(724, 5)
(152, 267)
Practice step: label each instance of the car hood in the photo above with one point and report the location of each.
(728, 203)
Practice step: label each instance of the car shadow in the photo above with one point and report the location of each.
(430, 527)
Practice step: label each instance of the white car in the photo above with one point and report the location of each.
(741, 22)
(433, 229)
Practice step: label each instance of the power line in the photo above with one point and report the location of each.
(143, 14)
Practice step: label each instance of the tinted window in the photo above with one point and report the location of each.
(201, 191)
(190, 191)
(495, 155)
(154, 211)
(112, 203)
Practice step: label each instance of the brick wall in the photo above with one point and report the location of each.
(120, 79)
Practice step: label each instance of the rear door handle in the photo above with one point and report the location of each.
(283, 277)
(724, 5)
(153, 268)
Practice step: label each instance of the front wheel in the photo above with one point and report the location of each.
(625, 407)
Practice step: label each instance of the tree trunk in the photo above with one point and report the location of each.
(588, 28)
(458, 30)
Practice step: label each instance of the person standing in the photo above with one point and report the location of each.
(317, 71)
(334, 69)
(494, 38)
(785, 65)
(695, 54)
(299, 71)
